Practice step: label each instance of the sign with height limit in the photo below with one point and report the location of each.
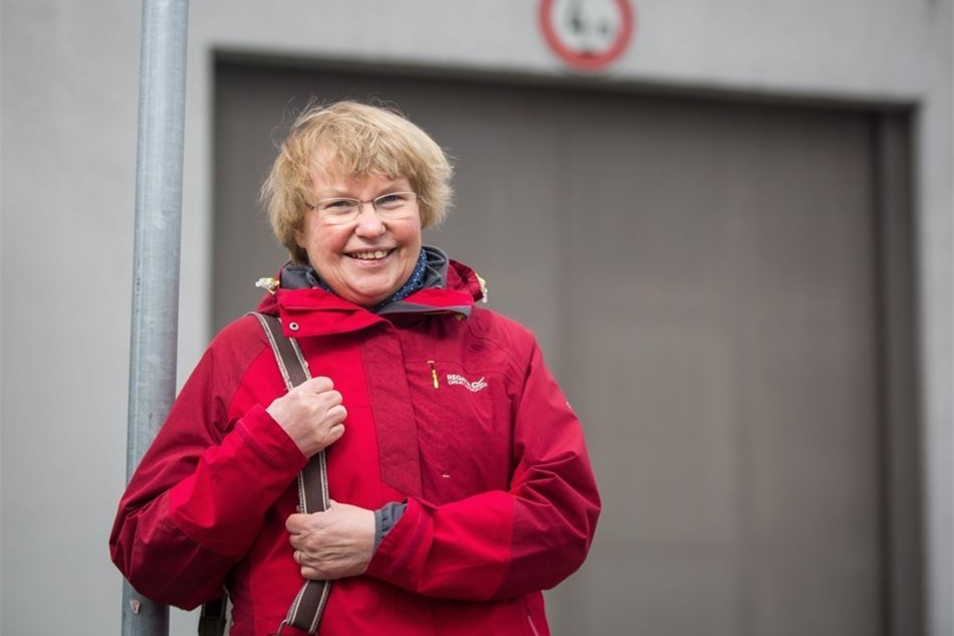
(587, 34)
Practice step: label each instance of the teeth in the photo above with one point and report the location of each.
(369, 256)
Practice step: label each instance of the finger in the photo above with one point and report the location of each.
(334, 397)
(295, 523)
(335, 433)
(313, 574)
(318, 384)
(337, 413)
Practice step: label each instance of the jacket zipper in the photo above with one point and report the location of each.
(434, 374)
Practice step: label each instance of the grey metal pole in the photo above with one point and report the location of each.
(155, 306)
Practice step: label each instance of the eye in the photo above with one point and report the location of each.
(337, 206)
(392, 201)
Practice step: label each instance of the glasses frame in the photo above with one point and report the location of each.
(354, 214)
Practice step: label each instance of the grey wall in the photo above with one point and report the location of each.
(68, 134)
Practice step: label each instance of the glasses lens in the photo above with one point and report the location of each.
(395, 205)
(337, 211)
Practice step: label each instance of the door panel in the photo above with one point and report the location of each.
(724, 300)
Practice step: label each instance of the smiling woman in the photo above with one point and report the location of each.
(459, 478)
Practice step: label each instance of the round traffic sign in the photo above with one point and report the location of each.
(587, 34)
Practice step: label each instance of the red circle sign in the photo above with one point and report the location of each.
(587, 34)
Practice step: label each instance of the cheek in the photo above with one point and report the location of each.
(304, 232)
(320, 242)
(412, 233)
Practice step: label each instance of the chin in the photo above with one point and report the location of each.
(369, 300)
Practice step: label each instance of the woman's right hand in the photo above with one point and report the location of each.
(312, 414)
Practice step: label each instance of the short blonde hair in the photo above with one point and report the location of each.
(355, 140)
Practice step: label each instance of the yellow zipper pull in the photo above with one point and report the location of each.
(433, 373)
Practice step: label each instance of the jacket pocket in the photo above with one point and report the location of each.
(464, 430)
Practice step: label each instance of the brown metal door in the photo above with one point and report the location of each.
(703, 276)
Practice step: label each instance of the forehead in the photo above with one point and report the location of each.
(335, 163)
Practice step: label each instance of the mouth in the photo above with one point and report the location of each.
(371, 255)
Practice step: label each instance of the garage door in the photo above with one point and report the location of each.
(723, 289)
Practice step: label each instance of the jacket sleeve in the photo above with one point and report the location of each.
(501, 544)
(199, 496)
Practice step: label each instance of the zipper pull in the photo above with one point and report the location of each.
(433, 373)
(269, 284)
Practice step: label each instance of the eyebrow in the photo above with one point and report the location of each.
(335, 192)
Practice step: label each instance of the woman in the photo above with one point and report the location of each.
(460, 481)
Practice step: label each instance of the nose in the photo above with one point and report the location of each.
(369, 224)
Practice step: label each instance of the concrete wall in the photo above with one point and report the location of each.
(68, 144)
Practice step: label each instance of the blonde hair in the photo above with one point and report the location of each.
(355, 140)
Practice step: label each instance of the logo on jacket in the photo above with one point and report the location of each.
(479, 385)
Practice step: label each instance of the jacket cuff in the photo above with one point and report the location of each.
(405, 545)
(384, 519)
(270, 441)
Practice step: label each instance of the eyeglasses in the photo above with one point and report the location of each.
(389, 207)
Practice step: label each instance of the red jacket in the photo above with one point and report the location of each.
(456, 415)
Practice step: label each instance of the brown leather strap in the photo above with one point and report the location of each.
(290, 361)
(306, 610)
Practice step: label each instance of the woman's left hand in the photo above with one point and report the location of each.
(333, 544)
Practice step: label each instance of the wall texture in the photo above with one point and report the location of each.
(68, 133)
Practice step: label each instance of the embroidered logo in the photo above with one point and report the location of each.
(479, 385)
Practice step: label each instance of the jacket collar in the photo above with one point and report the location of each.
(306, 310)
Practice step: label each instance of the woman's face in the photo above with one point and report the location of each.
(367, 260)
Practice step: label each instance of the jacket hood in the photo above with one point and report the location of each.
(307, 309)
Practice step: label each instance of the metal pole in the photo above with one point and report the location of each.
(155, 306)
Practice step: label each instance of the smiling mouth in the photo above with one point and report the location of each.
(375, 255)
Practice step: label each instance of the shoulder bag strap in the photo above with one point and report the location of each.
(309, 604)
(306, 610)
